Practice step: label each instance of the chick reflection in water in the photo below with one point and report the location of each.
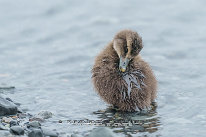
(130, 123)
(121, 77)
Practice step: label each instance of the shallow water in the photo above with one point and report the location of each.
(47, 49)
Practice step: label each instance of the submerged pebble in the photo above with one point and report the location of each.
(7, 88)
(48, 132)
(75, 135)
(45, 114)
(35, 133)
(24, 115)
(32, 128)
(17, 130)
(5, 133)
(41, 116)
(9, 99)
(102, 132)
(34, 124)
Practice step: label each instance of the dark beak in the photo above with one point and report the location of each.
(123, 63)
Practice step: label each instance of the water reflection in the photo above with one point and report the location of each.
(130, 123)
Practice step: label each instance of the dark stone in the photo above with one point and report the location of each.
(18, 104)
(102, 132)
(9, 99)
(35, 133)
(13, 123)
(7, 107)
(17, 130)
(19, 110)
(50, 133)
(75, 135)
(11, 87)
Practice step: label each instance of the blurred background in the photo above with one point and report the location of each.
(47, 49)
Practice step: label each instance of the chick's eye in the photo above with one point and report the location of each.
(134, 47)
(125, 49)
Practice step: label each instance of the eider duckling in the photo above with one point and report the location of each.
(121, 77)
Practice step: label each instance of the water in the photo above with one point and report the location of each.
(47, 49)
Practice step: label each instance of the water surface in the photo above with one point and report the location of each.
(47, 49)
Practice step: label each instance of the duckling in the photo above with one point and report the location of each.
(121, 77)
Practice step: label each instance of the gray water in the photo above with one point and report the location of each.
(47, 49)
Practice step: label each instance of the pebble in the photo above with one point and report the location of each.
(7, 87)
(102, 132)
(2, 127)
(14, 117)
(18, 104)
(17, 130)
(35, 124)
(7, 126)
(9, 99)
(50, 133)
(13, 123)
(7, 107)
(36, 119)
(41, 116)
(6, 119)
(75, 135)
(35, 133)
(45, 114)
(5, 133)
(22, 115)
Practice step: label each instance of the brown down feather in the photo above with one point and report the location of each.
(109, 82)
